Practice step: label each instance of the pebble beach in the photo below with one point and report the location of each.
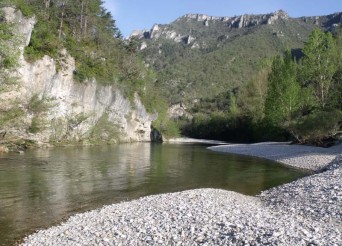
(304, 212)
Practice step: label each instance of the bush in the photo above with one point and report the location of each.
(11, 116)
(104, 131)
(37, 105)
(315, 128)
(37, 125)
(43, 42)
(24, 7)
(168, 128)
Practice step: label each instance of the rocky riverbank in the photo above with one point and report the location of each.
(304, 212)
(299, 156)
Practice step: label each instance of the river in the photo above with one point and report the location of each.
(45, 186)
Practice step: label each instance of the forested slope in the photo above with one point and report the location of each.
(67, 76)
(220, 70)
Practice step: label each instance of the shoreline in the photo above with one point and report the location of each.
(298, 156)
(305, 211)
(182, 140)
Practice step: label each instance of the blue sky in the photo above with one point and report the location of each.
(142, 14)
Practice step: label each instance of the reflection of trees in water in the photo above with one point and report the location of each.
(45, 185)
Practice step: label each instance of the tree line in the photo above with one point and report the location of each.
(304, 96)
(292, 97)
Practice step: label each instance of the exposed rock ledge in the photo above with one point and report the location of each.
(75, 108)
(304, 212)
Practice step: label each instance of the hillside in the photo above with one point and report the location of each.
(201, 56)
(66, 77)
(225, 77)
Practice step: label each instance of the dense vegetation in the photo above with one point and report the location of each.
(290, 98)
(87, 31)
(219, 58)
(304, 97)
(239, 84)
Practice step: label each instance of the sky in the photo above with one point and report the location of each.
(143, 14)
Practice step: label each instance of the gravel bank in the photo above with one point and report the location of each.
(299, 156)
(318, 196)
(193, 140)
(304, 212)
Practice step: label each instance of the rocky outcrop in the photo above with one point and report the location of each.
(67, 110)
(168, 32)
(178, 110)
(243, 21)
(239, 21)
(159, 31)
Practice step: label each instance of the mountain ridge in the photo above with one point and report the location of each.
(238, 21)
(196, 51)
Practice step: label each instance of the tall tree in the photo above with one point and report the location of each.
(319, 64)
(283, 95)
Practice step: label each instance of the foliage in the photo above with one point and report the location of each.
(278, 103)
(252, 96)
(269, 93)
(37, 105)
(38, 124)
(283, 95)
(104, 131)
(8, 42)
(317, 127)
(219, 125)
(319, 62)
(88, 32)
(316, 116)
(22, 5)
(226, 58)
(43, 42)
(157, 104)
(10, 117)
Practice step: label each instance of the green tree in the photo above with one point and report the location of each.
(283, 95)
(319, 64)
(336, 97)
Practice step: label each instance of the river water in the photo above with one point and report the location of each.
(44, 187)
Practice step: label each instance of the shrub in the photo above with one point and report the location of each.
(37, 125)
(37, 105)
(316, 127)
(104, 131)
(43, 42)
(11, 116)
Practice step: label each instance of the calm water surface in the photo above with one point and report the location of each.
(45, 186)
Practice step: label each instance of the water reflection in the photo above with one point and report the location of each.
(45, 186)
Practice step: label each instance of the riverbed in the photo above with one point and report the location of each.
(303, 212)
(43, 187)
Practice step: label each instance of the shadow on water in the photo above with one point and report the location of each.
(45, 186)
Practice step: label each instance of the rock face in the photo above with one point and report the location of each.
(172, 32)
(164, 31)
(178, 110)
(73, 111)
(240, 21)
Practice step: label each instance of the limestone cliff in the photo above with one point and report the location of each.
(167, 31)
(190, 28)
(49, 106)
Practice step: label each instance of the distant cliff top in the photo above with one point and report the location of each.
(240, 21)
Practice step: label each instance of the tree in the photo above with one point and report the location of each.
(283, 95)
(251, 99)
(319, 64)
(337, 82)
